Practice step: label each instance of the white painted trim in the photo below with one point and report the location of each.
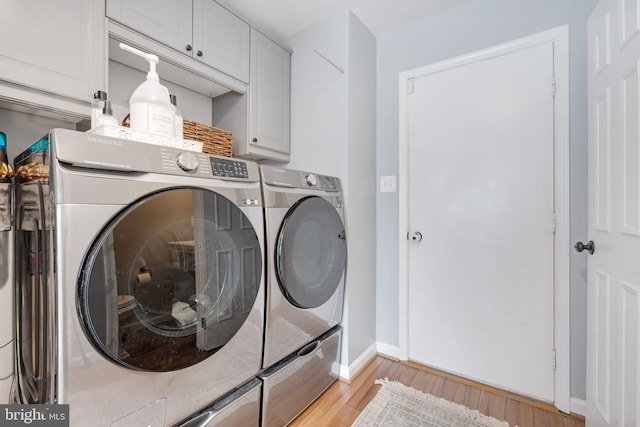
(344, 373)
(562, 247)
(560, 37)
(348, 372)
(403, 221)
(388, 350)
(578, 406)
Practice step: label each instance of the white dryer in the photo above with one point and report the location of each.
(139, 281)
(306, 259)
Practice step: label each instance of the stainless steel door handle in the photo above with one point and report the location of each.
(589, 247)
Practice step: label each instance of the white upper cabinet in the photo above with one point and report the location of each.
(220, 39)
(270, 88)
(200, 39)
(167, 21)
(52, 54)
(201, 29)
(260, 119)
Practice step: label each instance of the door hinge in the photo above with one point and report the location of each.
(410, 85)
(553, 86)
(554, 360)
(554, 222)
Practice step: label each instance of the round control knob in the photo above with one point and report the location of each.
(187, 161)
(311, 180)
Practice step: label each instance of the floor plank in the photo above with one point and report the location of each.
(341, 404)
(345, 417)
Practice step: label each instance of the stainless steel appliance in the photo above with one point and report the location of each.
(236, 409)
(295, 382)
(6, 276)
(139, 280)
(306, 257)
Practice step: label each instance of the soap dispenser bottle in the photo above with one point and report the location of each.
(179, 120)
(150, 109)
(106, 118)
(97, 105)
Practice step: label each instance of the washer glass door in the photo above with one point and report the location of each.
(170, 280)
(311, 252)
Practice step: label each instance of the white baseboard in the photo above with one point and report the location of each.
(348, 372)
(391, 351)
(578, 406)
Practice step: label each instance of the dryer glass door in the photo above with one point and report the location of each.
(311, 252)
(171, 280)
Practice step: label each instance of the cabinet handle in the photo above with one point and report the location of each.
(189, 48)
(255, 139)
(199, 53)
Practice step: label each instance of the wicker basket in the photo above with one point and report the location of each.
(216, 141)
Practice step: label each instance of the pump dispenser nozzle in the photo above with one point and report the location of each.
(151, 58)
(149, 106)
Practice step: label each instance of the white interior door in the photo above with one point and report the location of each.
(613, 306)
(481, 193)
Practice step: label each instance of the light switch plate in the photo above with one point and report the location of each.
(388, 184)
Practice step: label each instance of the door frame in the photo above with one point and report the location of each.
(559, 36)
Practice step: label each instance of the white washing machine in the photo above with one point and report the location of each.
(306, 260)
(140, 294)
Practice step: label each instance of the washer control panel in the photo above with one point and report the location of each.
(99, 152)
(187, 161)
(228, 168)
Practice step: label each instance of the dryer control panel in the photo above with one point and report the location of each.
(299, 179)
(310, 180)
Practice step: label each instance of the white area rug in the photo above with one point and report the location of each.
(400, 406)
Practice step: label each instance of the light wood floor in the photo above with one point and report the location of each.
(341, 404)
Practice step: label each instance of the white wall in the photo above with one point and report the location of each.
(477, 25)
(333, 133)
(360, 203)
(320, 98)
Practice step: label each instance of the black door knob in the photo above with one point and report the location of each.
(589, 247)
(189, 48)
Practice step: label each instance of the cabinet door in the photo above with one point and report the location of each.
(269, 95)
(55, 47)
(220, 39)
(167, 21)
